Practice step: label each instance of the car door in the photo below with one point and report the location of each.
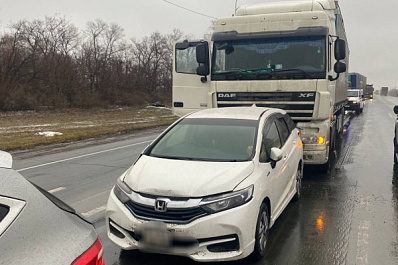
(288, 147)
(271, 138)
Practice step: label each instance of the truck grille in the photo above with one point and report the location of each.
(299, 105)
(182, 215)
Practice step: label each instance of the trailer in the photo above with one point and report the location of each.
(384, 91)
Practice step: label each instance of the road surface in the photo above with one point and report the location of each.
(347, 216)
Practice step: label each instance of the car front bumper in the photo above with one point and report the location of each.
(223, 236)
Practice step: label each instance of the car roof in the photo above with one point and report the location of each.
(243, 113)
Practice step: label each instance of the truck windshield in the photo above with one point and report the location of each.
(278, 58)
(222, 140)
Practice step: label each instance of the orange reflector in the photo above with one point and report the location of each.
(321, 140)
(300, 144)
(319, 223)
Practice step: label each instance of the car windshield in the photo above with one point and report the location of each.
(208, 140)
(352, 93)
(277, 58)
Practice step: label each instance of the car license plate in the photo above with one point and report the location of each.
(157, 238)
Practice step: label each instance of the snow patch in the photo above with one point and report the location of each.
(48, 134)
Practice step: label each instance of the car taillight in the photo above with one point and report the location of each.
(92, 256)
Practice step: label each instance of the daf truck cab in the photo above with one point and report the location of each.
(287, 55)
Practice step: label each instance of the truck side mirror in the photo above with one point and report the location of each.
(202, 57)
(202, 54)
(396, 109)
(340, 67)
(339, 49)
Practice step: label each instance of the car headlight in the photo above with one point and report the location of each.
(122, 191)
(227, 201)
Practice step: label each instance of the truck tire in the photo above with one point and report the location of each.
(299, 177)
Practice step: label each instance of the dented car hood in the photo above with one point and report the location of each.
(182, 178)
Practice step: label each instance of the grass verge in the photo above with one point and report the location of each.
(21, 130)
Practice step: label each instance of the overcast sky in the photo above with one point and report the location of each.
(371, 25)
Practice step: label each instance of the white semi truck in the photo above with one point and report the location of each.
(288, 55)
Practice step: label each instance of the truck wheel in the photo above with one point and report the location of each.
(262, 232)
(299, 177)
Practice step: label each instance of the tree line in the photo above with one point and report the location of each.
(50, 63)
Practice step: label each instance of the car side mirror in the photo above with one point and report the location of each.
(396, 109)
(276, 155)
(5, 160)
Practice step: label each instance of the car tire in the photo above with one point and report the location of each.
(395, 153)
(299, 177)
(262, 232)
(358, 110)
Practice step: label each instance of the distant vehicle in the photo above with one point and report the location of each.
(384, 91)
(211, 186)
(355, 100)
(357, 81)
(396, 137)
(368, 92)
(38, 228)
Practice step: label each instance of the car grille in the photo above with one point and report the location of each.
(183, 215)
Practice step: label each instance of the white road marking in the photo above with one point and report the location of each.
(94, 211)
(363, 242)
(56, 190)
(76, 157)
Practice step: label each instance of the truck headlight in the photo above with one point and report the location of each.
(227, 201)
(313, 140)
(121, 191)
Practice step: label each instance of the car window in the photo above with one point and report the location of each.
(270, 139)
(283, 130)
(290, 123)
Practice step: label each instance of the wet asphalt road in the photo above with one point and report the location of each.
(347, 216)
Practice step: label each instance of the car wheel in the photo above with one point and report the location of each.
(395, 153)
(262, 232)
(358, 110)
(299, 178)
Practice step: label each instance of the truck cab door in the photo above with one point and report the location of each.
(191, 77)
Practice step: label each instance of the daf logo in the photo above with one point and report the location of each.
(226, 95)
(306, 95)
(160, 205)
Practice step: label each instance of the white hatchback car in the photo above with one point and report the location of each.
(211, 186)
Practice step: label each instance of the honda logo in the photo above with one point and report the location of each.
(160, 205)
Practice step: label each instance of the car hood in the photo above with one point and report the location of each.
(182, 178)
